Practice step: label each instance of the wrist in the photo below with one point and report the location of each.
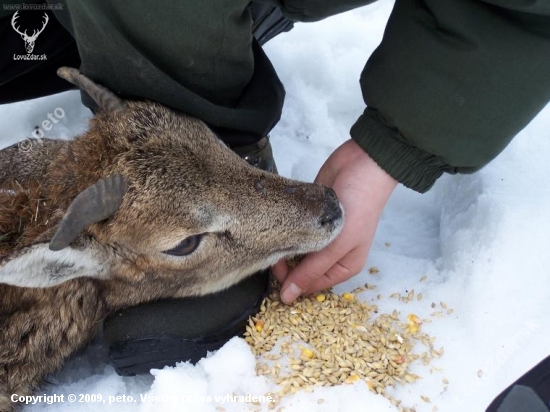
(353, 158)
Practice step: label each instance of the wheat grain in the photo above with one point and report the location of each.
(336, 340)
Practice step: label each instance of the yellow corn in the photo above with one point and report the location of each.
(351, 379)
(259, 325)
(348, 296)
(414, 323)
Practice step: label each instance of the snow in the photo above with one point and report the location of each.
(482, 240)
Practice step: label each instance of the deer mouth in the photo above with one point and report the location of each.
(331, 225)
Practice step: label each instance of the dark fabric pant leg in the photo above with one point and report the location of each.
(529, 393)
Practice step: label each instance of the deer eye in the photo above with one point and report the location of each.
(186, 246)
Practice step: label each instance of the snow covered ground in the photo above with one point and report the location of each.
(482, 240)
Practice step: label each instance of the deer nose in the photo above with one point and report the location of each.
(331, 208)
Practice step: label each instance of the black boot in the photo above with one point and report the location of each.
(530, 393)
(162, 333)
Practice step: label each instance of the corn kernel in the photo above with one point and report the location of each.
(412, 318)
(259, 325)
(351, 379)
(320, 298)
(414, 323)
(307, 353)
(348, 296)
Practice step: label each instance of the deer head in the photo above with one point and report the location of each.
(150, 196)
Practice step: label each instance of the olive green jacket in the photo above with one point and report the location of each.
(451, 84)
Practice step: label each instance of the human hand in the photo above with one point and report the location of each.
(363, 189)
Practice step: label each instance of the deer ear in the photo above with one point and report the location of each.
(37, 266)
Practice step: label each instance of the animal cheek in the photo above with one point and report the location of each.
(142, 262)
(134, 270)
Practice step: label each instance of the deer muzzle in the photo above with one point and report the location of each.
(332, 211)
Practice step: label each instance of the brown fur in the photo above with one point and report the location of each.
(182, 181)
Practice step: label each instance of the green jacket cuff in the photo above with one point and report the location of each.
(409, 165)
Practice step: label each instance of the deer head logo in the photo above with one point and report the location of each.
(29, 40)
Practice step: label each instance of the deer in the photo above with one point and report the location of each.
(29, 40)
(147, 204)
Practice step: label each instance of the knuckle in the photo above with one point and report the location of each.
(311, 276)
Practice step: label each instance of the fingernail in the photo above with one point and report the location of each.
(290, 293)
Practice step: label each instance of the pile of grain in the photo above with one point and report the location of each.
(328, 340)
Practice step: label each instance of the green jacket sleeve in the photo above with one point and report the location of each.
(451, 84)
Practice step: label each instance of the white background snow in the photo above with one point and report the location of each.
(483, 241)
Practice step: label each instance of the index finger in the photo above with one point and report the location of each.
(307, 273)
